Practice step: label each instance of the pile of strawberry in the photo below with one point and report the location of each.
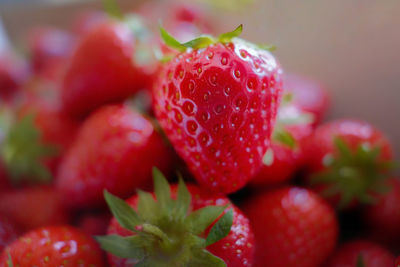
(222, 159)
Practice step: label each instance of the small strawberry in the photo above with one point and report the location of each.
(107, 66)
(383, 216)
(292, 227)
(115, 149)
(53, 246)
(348, 160)
(309, 95)
(33, 207)
(9, 231)
(181, 228)
(361, 253)
(217, 101)
(285, 156)
(49, 48)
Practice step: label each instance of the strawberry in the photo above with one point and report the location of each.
(383, 216)
(49, 48)
(309, 95)
(186, 215)
(33, 207)
(348, 160)
(8, 231)
(217, 102)
(53, 246)
(285, 155)
(94, 224)
(292, 227)
(13, 73)
(397, 262)
(115, 149)
(102, 69)
(361, 253)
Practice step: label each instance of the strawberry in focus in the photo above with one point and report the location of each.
(361, 253)
(348, 161)
(292, 227)
(217, 102)
(192, 212)
(53, 246)
(115, 149)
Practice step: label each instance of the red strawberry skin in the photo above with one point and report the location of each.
(54, 246)
(372, 254)
(115, 149)
(13, 73)
(217, 106)
(101, 70)
(292, 227)
(8, 231)
(383, 217)
(33, 207)
(236, 249)
(308, 95)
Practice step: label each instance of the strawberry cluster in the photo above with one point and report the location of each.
(121, 146)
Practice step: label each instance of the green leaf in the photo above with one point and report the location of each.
(170, 41)
(10, 261)
(284, 137)
(204, 217)
(124, 213)
(162, 189)
(220, 229)
(342, 148)
(227, 37)
(147, 207)
(203, 258)
(270, 48)
(268, 158)
(124, 247)
(183, 199)
(360, 261)
(200, 42)
(112, 9)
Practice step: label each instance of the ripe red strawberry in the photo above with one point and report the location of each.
(104, 68)
(349, 160)
(49, 48)
(115, 149)
(217, 104)
(53, 246)
(233, 243)
(33, 207)
(8, 231)
(309, 95)
(383, 216)
(286, 154)
(361, 253)
(292, 227)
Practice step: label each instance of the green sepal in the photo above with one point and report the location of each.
(204, 258)
(147, 206)
(122, 212)
(353, 174)
(23, 152)
(162, 190)
(284, 137)
(112, 9)
(200, 219)
(270, 48)
(360, 261)
(183, 199)
(268, 158)
(220, 229)
(170, 41)
(9, 260)
(199, 42)
(228, 36)
(123, 247)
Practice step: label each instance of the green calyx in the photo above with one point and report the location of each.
(165, 231)
(22, 151)
(360, 260)
(9, 260)
(199, 42)
(357, 174)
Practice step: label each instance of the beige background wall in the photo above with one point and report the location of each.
(351, 46)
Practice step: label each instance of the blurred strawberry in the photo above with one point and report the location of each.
(94, 223)
(348, 161)
(361, 253)
(49, 49)
(115, 149)
(8, 231)
(309, 95)
(33, 207)
(85, 21)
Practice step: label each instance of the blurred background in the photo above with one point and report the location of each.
(349, 46)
